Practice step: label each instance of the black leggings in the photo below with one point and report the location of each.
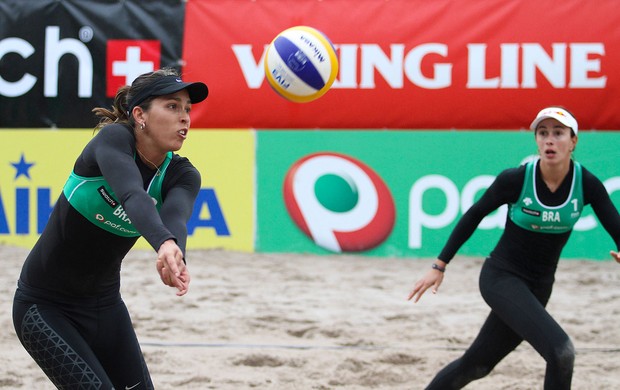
(81, 348)
(517, 313)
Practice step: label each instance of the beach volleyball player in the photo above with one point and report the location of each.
(126, 183)
(545, 199)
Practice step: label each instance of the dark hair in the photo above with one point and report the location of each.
(119, 113)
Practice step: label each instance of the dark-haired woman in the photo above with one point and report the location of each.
(545, 199)
(126, 183)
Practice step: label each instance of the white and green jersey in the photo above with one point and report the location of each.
(94, 199)
(529, 213)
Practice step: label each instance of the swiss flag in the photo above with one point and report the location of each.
(127, 59)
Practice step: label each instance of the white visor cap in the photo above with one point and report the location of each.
(563, 116)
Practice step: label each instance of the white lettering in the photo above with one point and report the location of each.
(536, 60)
(23, 85)
(119, 227)
(418, 218)
(510, 65)
(476, 67)
(553, 67)
(120, 213)
(55, 48)
(581, 65)
(253, 72)
(551, 216)
(582, 59)
(373, 58)
(442, 77)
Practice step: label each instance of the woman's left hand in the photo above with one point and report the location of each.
(615, 255)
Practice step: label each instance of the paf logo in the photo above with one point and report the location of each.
(128, 59)
(339, 202)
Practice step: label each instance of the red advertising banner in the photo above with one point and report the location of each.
(412, 64)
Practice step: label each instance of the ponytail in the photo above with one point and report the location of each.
(119, 113)
(119, 110)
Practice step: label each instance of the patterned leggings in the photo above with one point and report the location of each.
(81, 348)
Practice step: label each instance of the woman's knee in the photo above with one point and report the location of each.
(563, 356)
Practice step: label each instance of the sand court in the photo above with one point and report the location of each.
(284, 321)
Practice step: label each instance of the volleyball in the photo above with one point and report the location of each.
(301, 64)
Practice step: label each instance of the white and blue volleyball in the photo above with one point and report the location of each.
(301, 64)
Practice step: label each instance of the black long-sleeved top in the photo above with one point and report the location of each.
(74, 257)
(531, 254)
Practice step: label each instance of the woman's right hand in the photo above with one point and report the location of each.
(432, 278)
(615, 255)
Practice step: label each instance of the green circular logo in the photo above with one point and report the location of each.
(336, 193)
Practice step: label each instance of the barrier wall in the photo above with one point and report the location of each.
(415, 66)
(381, 193)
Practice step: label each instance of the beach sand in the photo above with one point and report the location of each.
(283, 321)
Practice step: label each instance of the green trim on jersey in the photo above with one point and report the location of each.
(531, 214)
(94, 199)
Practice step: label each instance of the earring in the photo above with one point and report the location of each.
(141, 126)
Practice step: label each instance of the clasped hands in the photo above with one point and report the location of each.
(171, 267)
